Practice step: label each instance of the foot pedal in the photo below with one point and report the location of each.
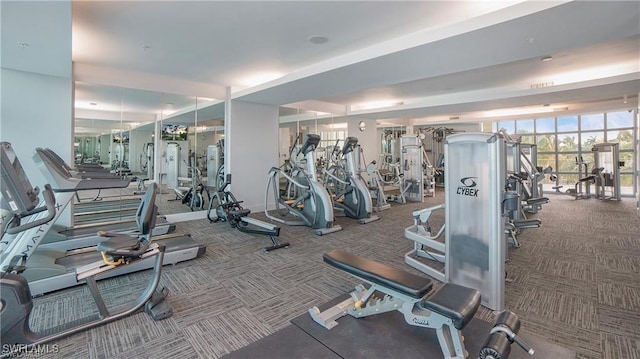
(275, 246)
(156, 307)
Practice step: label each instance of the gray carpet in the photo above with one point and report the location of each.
(575, 282)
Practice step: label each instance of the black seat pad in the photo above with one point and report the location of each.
(455, 302)
(381, 274)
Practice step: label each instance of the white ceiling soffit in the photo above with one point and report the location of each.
(236, 43)
(30, 33)
(533, 30)
(557, 96)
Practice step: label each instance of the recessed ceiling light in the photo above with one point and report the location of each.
(546, 59)
(318, 39)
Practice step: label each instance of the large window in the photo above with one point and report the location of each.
(565, 143)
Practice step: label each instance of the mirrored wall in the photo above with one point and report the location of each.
(149, 136)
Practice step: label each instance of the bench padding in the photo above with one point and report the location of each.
(381, 274)
(455, 302)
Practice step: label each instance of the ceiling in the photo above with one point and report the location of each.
(421, 60)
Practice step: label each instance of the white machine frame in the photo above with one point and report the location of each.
(474, 247)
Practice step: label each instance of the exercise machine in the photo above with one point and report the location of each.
(225, 207)
(376, 187)
(173, 165)
(54, 265)
(532, 185)
(429, 174)
(193, 196)
(302, 196)
(57, 173)
(411, 162)
(582, 187)
(346, 187)
(447, 311)
(146, 166)
(519, 175)
(607, 158)
(19, 202)
(215, 165)
(474, 247)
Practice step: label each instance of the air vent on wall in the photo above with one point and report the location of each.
(540, 85)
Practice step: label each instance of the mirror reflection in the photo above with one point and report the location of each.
(151, 136)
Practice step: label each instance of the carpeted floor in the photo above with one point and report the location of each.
(575, 282)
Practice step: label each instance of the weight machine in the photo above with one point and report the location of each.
(411, 162)
(474, 248)
(607, 181)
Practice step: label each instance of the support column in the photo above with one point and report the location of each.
(36, 96)
(251, 149)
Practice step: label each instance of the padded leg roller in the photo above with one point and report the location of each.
(498, 345)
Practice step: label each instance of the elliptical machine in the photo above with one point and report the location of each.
(19, 201)
(351, 194)
(228, 209)
(303, 197)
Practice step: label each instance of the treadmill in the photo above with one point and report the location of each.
(96, 210)
(84, 234)
(48, 268)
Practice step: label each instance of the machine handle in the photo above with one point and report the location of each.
(50, 203)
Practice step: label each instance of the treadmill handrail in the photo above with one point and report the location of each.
(57, 175)
(50, 203)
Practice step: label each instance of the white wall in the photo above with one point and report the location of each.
(251, 141)
(367, 139)
(637, 154)
(36, 112)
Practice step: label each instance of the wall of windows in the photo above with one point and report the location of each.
(562, 141)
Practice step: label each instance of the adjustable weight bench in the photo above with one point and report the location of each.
(447, 311)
